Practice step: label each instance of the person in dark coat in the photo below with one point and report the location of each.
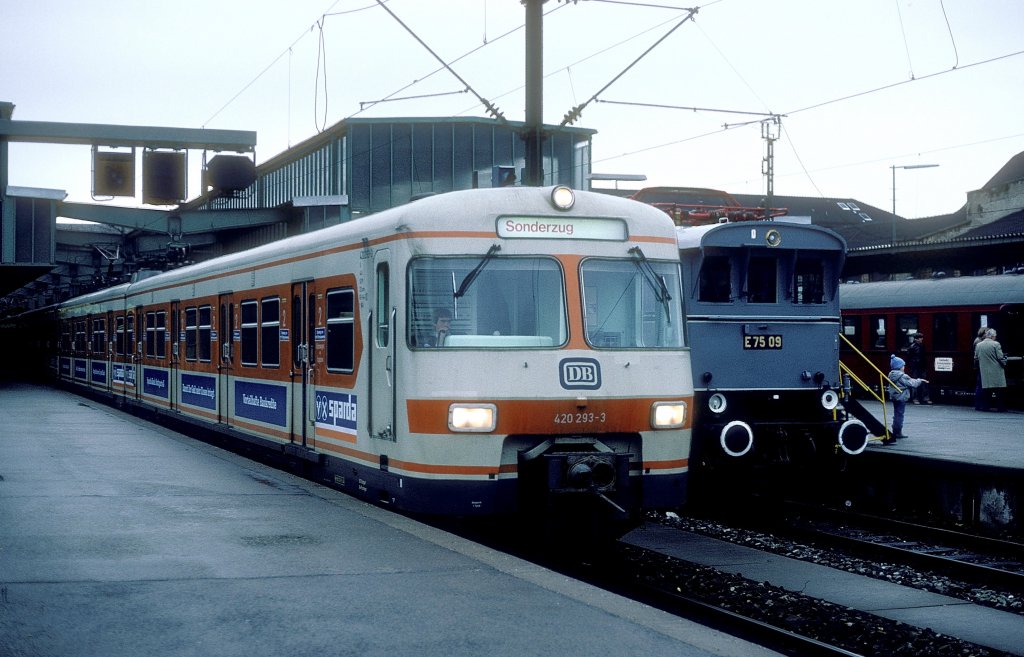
(992, 366)
(977, 372)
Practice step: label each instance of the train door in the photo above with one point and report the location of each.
(382, 351)
(302, 374)
(138, 330)
(170, 332)
(225, 360)
(108, 349)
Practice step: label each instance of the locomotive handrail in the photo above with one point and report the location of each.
(882, 381)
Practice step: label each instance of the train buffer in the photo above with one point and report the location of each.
(854, 408)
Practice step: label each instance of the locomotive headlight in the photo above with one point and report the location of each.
(477, 418)
(562, 197)
(829, 399)
(717, 403)
(668, 415)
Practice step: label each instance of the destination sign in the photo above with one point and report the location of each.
(562, 228)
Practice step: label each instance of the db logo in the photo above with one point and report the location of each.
(579, 374)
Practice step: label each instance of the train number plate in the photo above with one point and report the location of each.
(762, 342)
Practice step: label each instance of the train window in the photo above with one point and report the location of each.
(99, 336)
(203, 341)
(627, 307)
(250, 333)
(341, 342)
(716, 280)
(191, 333)
(80, 343)
(762, 280)
(908, 327)
(150, 334)
(944, 335)
(851, 330)
(492, 301)
(878, 331)
(161, 334)
(298, 339)
(383, 311)
(129, 334)
(311, 328)
(119, 335)
(270, 324)
(809, 283)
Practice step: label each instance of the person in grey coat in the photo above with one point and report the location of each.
(992, 366)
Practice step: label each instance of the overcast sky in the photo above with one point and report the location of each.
(860, 86)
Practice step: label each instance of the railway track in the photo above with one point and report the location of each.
(974, 559)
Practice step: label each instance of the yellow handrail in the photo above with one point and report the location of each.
(883, 380)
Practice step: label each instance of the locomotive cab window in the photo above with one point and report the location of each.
(715, 280)
(809, 281)
(490, 301)
(631, 305)
(762, 280)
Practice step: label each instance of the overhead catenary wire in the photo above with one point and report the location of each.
(491, 109)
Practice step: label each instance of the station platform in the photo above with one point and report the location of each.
(123, 538)
(957, 433)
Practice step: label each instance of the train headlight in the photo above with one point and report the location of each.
(668, 415)
(717, 403)
(475, 418)
(829, 399)
(562, 197)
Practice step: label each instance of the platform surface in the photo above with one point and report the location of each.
(958, 433)
(122, 538)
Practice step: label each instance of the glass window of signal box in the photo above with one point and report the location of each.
(632, 304)
(493, 302)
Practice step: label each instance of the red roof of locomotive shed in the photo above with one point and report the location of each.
(695, 206)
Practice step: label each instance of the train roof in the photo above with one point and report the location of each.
(732, 234)
(459, 210)
(993, 290)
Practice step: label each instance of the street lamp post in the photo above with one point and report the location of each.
(902, 166)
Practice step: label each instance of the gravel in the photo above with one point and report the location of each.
(851, 629)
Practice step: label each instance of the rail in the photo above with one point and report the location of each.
(883, 381)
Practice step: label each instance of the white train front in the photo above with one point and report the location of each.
(485, 352)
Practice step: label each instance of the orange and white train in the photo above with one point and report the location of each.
(559, 389)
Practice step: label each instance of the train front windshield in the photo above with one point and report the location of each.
(486, 301)
(632, 304)
(520, 302)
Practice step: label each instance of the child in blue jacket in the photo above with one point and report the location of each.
(899, 392)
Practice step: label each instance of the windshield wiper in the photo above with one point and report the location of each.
(471, 276)
(656, 282)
